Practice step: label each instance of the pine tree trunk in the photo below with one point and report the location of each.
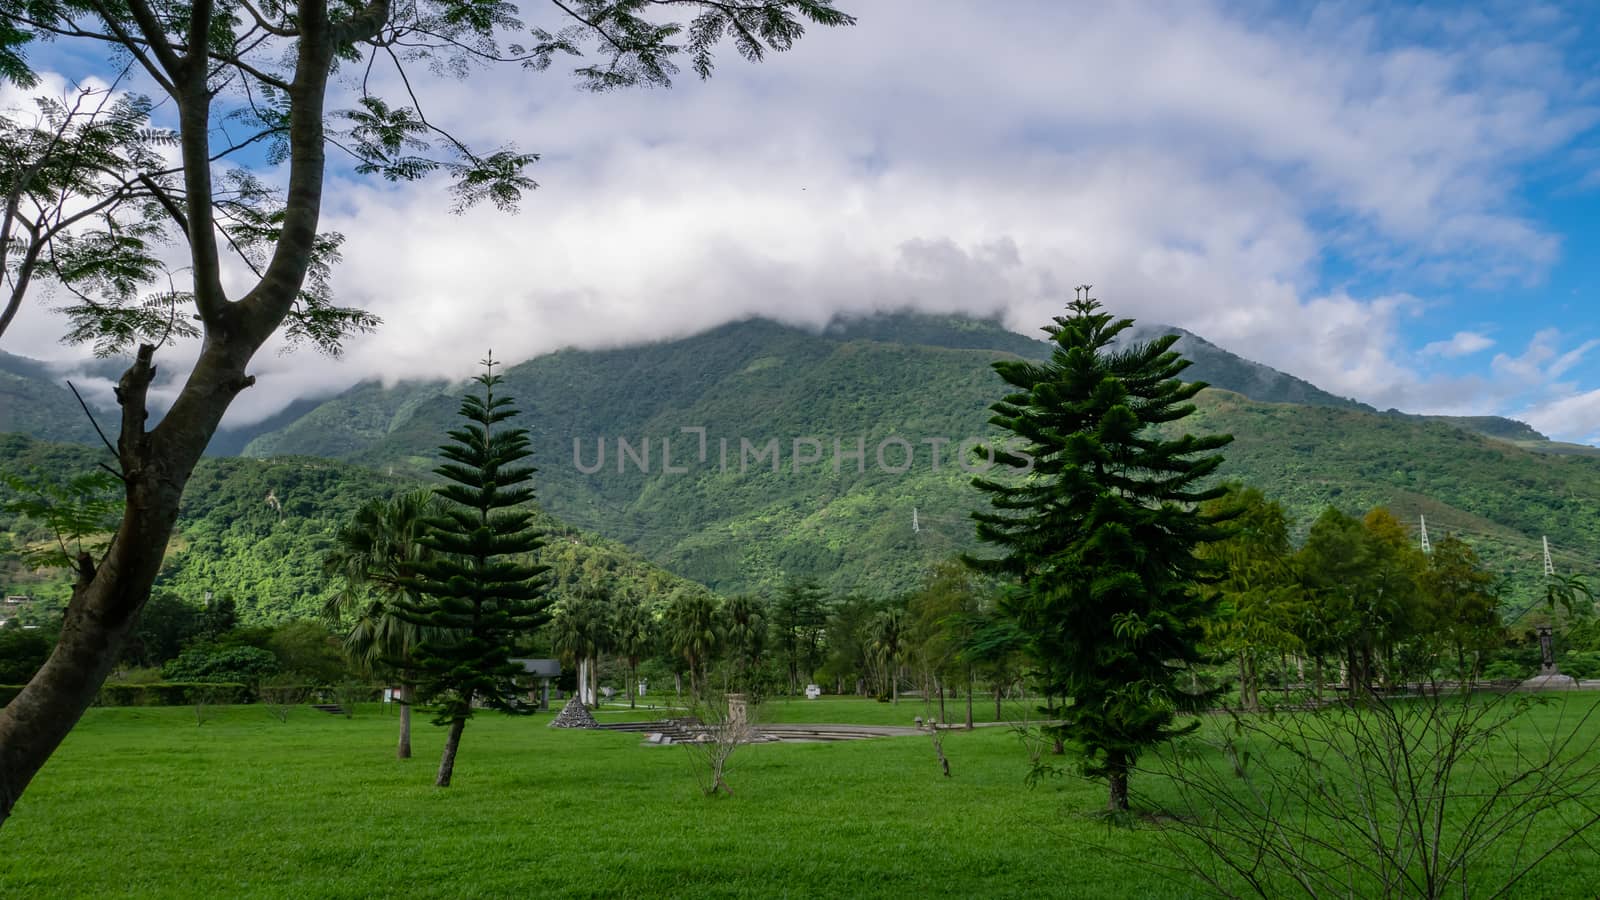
(1117, 799)
(408, 695)
(447, 762)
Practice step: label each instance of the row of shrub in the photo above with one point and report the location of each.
(185, 693)
(174, 693)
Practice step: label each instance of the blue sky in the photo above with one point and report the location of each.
(1395, 202)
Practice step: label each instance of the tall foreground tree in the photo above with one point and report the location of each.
(265, 67)
(1101, 534)
(472, 594)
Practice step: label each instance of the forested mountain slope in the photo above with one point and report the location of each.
(255, 531)
(758, 381)
(729, 520)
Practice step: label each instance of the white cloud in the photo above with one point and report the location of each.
(1197, 167)
(1463, 343)
(1574, 417)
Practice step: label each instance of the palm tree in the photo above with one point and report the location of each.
(1565, 591)
(371, 555)
(694, 629)
(633, 632)
(581, 631)
(889, 639)
(746, 620)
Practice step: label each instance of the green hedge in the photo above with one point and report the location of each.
(161, 693)
(183, 693)
(173, 693)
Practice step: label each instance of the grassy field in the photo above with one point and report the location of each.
(140, 801)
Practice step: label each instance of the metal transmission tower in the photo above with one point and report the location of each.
(1549, 567)
(916, 527)
(1426, 547)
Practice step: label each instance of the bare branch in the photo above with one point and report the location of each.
(96, 425)
(268, 26)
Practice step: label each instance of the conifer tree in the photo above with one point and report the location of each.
(477, 587)
(1101, 532)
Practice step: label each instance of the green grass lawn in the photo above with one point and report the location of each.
(140, 801)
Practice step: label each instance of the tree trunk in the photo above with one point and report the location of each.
(447, 762)
(156, 463)
(408, 695)
(1117, 799)
(969, 699)
(594, 682)
(1247, 682)
(633, 686)
(107, 598)
(940, 682)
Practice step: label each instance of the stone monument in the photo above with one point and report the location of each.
(1549, 677)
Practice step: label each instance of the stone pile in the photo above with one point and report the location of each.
(574, 715)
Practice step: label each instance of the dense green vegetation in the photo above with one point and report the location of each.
(254, 532)
(920, 377)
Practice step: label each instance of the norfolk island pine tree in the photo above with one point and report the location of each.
(474, 588)
(1100, 534)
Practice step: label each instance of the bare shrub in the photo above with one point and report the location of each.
(1426, 797)
(203, 698)
(727, 722)
(351, 694)
(281, 695)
